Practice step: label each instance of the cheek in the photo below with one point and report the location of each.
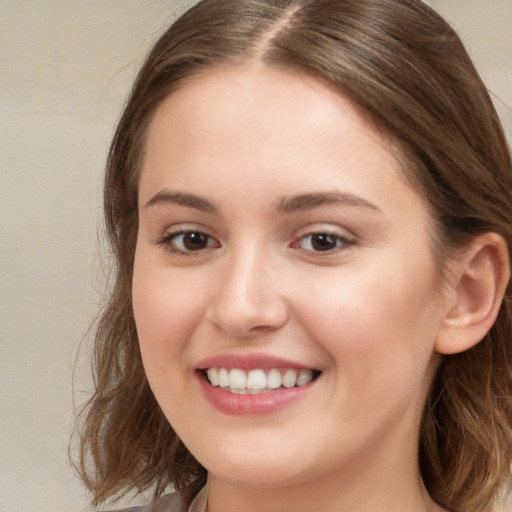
(378, 326)
(167, 310)
(157, 312)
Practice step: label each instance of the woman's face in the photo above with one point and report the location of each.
(278, 243)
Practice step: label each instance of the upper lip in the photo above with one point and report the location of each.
(248, 362)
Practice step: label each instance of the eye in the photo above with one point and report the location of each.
(187, 242)
(322, 242)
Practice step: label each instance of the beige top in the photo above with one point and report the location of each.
(171, 503)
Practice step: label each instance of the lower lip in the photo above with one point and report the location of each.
(247, 405)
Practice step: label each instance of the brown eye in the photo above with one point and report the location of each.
(186, 242)
(193, 241)
(323, 242)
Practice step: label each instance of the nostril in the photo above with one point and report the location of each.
(247, 303)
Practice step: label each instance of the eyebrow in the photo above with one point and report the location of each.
(182, 199)
(314, 200)
(302, 202)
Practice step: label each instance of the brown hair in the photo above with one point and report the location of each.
(401, 62)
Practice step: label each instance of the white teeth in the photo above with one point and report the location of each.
(223, 378)
(257, 381)
(289, 378)
(274, 379)
(240, 391)
(237, 379)
(213, 376)
(304, 377)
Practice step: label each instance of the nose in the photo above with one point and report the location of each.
(249, 301)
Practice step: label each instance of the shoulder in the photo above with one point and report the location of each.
(168, 503)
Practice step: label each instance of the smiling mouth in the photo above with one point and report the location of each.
(258, 381)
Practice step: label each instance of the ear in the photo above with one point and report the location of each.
(474, 290)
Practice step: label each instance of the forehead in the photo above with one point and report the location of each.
(232, 89)
(259, 102)
(256, 125)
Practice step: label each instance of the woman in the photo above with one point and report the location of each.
(309, 205)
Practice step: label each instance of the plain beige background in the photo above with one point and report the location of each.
(65, 69)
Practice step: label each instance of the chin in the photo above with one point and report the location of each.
(257, 474)
(264, 467)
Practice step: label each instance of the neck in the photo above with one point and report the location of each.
(389, 495)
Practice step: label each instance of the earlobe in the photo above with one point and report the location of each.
(477, 283)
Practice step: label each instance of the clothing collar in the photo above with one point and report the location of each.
(200, 501)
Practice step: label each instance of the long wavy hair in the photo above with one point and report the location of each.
(403, 64)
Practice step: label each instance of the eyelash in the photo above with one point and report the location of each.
(341, 242)
(168, 241)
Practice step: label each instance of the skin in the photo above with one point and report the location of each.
(365, 313)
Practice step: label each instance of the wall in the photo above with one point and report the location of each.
(66, 66)
(486, 29)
